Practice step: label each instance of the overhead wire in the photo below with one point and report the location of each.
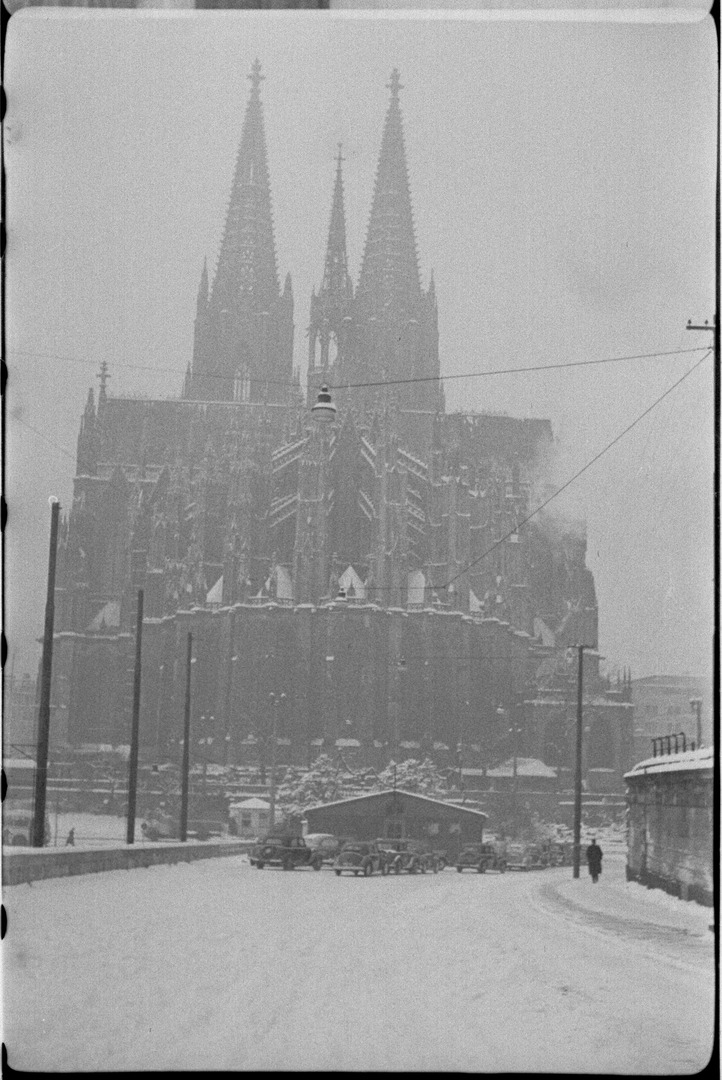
(577, 474)
(537, 509)
(382, 382)
(40, 434)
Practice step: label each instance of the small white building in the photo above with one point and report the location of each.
(252, 817)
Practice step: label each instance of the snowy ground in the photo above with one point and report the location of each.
(91, 830)
(213, 965)
(99, 831)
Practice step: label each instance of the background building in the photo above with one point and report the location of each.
(662, 706)
(399, 814)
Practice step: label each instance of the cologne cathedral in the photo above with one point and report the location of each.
(375, 583)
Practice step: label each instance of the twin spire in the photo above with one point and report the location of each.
(247, 270)
(243, 321)
(389, 277)
(247, 267)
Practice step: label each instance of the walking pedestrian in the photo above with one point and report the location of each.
(70, 839)
(594, 860)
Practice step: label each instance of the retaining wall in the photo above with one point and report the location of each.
(32, 865)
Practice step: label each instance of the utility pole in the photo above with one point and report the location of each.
(578, 766)
(275, 703)
(186, 745)
(711, 328)
(135, 725)
(515, 775)
(41, 765)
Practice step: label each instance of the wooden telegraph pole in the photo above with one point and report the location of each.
(41, 765)
(186, 745)
(578, 765)
(135, 725)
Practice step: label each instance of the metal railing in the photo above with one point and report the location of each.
(658, 744)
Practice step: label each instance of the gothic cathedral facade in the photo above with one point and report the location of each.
(338, 563)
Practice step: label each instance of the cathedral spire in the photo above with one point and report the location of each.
(336, 283)
(203, 287)
(389, 276)
(243, 342)
(247, 275)
(330, 306)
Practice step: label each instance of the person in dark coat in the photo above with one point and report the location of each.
(594, 860)
(70, 841)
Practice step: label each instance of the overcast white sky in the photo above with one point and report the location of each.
(562, 178)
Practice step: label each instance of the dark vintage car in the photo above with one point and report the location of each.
(288, 852)
(18, 821)
(525, 857)
(360, 857)
(481, 857)
(558, 853)
(326, 845)
(411, 856)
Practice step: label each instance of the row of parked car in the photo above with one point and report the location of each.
(345, 855)
(387, 856)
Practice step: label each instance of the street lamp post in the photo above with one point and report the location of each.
(231, 685)
(276, 700)
(399, 672)
(185, 768)
(696, 704)
(161, 670)
(206, 743)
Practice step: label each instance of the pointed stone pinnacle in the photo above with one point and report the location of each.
(395, 84)
(255, 77)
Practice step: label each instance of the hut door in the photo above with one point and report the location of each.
(394, 828)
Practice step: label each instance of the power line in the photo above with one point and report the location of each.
(576, 476)
(380, 382)
(534, 512)
(511, 371)
(40, 434)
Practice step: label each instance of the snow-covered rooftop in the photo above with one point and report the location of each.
(524, 767)
(397, 791)
(688, 761)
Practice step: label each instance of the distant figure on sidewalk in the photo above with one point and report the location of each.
(70, 839)
(594, 860)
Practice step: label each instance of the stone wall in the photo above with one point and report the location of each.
(26, 866)
(353, 674)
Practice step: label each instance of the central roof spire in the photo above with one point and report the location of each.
(255, 76)
(335, 278)
(389, 279)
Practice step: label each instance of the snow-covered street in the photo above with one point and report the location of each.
(213, 965)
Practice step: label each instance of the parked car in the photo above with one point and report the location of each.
(481, 857)
(524, 857)
(285, 851)
(165, 827)
(412, 856)
(326, 844)
(360, 857)
(559, 854)
(442, 859)
(18, 827)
